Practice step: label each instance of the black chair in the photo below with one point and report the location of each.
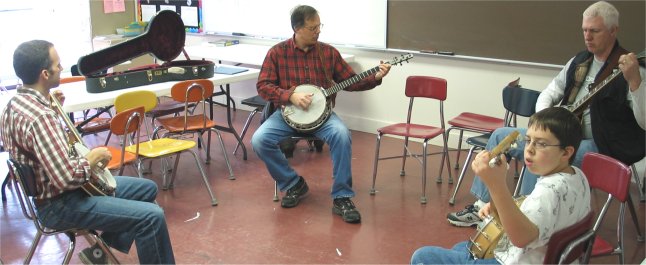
(25, 183)
(517, 101)
(287, 146)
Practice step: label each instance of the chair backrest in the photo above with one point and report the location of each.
(25, 182)
(520, 101)
(192, 90)
(71, 79)
(127, 121)
(124, 123)
(607, 174)
(134, 99)
(426, 86)
(563, 247)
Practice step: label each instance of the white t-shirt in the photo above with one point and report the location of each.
(558, 201)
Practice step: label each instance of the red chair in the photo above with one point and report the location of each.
(609, 175)
(570, 243)
(418, 87)
(473, 122)
(517, 101)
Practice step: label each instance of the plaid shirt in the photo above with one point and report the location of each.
(33, 135)
(287, 66)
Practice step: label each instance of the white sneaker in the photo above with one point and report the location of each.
(467, 217)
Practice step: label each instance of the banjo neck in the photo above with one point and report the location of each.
(350, 81)
(356, 78)
(580, 104)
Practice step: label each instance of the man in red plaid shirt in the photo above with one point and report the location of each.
(304, 60)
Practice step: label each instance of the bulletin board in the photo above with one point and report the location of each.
(189, 10)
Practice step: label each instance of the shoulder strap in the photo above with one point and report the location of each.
(329, 78)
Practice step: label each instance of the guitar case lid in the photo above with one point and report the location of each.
(164, 38)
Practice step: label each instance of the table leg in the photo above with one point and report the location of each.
(230, 128)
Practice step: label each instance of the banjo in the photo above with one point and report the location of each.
(105, 184)
(319, 110)
(482, 245)
(578, 106)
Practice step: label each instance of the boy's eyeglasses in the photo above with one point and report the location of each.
(538, 145)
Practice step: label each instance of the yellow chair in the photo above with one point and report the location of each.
(159, 148)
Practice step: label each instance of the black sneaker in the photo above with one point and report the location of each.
(345, 208)
(93, 255)
(294, 195)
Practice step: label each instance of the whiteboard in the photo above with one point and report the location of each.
(351, 22)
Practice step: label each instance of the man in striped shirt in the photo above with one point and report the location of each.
(304, 60)
(34, 136)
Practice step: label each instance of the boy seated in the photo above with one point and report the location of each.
(560, 199)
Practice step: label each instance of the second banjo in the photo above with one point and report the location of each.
(320, 109)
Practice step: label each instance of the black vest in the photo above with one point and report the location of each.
(614, 128)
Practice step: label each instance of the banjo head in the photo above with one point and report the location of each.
(313, 112)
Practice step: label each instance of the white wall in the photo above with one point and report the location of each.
(473, 86)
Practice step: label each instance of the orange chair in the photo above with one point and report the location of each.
(193, 91)
(417, 87)
(125, 123)
(613, 177)
(94, 126)
(570, 243)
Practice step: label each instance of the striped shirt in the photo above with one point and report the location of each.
(33, 135)
(287, 66)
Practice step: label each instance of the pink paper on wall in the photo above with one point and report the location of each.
(113, 6)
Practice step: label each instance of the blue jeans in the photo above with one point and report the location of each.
(459, 254)
(129, 216)
(265, 143)
(479, 189)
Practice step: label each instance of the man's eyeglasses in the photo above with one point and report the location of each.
(315, 28)
(538, 145)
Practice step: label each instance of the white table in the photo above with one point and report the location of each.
(240, 53)
(77, 98)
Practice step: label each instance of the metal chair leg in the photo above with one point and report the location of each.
(70, 248)
(4, 185)
(633, 214)
(275, 191)
(423, 199)
(374, 169)
(214, 201)
(224, 153)
(457, 157)
(403, 172)
(464, 169)
(520, 181)
(639, 182)
(244, 128)
(32, 249)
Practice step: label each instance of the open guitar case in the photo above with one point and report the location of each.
(164, 38)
